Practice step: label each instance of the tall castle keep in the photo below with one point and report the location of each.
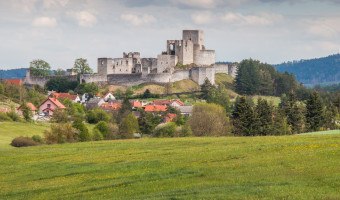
(131, 69)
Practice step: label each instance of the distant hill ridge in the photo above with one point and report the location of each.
(324, 70)
(13, 73)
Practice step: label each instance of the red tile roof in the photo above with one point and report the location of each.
(167, 102)
(30, 105)
(153, 108)
(55, 101)
(170, 117)
(110, 106)
(14, 81)
(65, 95)
(137, 104)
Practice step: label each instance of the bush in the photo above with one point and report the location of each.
(185, 131)
(84, 131)
(97, 136)
(97, 115)
(14, 116)
(38, 139)
(61, 133)
(4, 117)
(23, 142)
(113, 132)
(59, 116)
(165, 130)
(126, 129)
(103, 128)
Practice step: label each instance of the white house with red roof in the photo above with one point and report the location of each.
(108, 96)
(73, 98)
(49, 105)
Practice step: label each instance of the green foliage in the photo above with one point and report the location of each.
(14, 116)
(294, 112)
(244, 118)
(84, 134)
(61, 133)
(314, 114)
(23, 142)
(165, 130)
(128, 92)
(126, 129)
(59, 72)
(148, 121)
(113, 132)
(97, 135)
(4, 117)
(219, 96)
(90, 88)
(147, 94)
(40, 68)
(209, 120)
(134, 122)
(103, 128)
(205, 88)
(124, 110)
(61, 84)
(332, 118)
(2, 89)
(118, 93)
(96, 115)
(264, 115)
(82, 67)
(59, 116)
(247, 80)
(38, 139)
(26, 112)
(185, 130)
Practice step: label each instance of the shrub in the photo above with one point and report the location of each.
(38, 139)
(4, 117)
(97, 115)
(97, 136)
(61, 133)
(185, 131)
(84, 134)
(59, 116)
(113, 132)
(14, 116)
(23, 142)
(126, 129)
(165, 130)
(103, 128)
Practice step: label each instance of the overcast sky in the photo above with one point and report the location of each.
(60, 31)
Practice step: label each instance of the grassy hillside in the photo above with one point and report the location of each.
(281, 167)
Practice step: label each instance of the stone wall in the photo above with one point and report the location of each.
(199, 74)
(232, 71)
(204, 57)
(94, 78)
(165, 61)
(42, 80)
(222, 68)
(180, 75)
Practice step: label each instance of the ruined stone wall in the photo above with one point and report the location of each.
(188, 52)
(196, 36)
(100, 79)
(165, 61)
(222, 68)
(150, 63)
(42, 80)
(204, 57)
(180, 75)
(199, 74)
(104, 66)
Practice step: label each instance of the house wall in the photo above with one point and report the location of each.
(44, 106)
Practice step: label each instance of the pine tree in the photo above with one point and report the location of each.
(247, 80)
(331, 116)
(205, 88)
(314, 114)
(245, 122)
(264, 113)
(294, 113)
(219, 96)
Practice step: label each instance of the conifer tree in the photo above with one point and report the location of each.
(264, 113)
(331, 116)
(247, 80)
(205, 88)
(219, 96)
(245, 122)
(294, 113)
(314, 114)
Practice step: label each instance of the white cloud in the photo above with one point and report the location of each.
(85, 18)
(208, 4)
(138, 20)
(263, 19)
(325, 27)
(203, 18)
(27, 6)
(54, 3)
(45, 22)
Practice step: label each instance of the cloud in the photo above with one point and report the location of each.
(262, 19)
(85, 18)
(54, 3)
(45, 22)
(203, 18)
(138, 20)
(207, 4)
(325, 27)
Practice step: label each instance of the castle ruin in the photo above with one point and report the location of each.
(183, 59)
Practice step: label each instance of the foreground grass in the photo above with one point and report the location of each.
(282, 167)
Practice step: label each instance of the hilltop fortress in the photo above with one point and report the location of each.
(183, 59)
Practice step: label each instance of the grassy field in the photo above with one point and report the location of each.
(280, 167)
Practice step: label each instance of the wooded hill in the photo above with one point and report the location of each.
(324, 70)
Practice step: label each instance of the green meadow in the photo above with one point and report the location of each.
(272, 167)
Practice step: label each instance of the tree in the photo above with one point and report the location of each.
(244, 118)
(84, 131)
(165, 130)
(82, 67)
(59, 72)
(134, 122)
(205, 88)
(209, 120)
(96, 115)
(247, 80)
(219, 96)
(332, 117)
(147, 94)
(264, 115)
(2, 88)
(314, 114)
(26, 112)
(128, 92)
(103, 128)
(61, 133)
(124, 110)
(294, 113)
(40, 68)
(59, 116)
(61, 84)
(118, 93)
(126, 129)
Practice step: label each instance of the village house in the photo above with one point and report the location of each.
(49, 106)
(175, 103)
(155, 108)
(108, 96)
(17, 82)
(33, 109)
(110, 106)
(73, 98)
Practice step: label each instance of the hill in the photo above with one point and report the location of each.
(324, 70)
(274, 167)
(13, 73)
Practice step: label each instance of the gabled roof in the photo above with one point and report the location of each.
(136, 104)
(107, 94)
(14, 81)
(65, 95)
(110, 106)
(178, 102)
(161, 102)
(55, 101)
(30, 105)
(170, 117)
(153, 108)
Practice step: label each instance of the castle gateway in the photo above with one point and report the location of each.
(183, 59)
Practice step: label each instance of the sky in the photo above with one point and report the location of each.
(60, 31)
